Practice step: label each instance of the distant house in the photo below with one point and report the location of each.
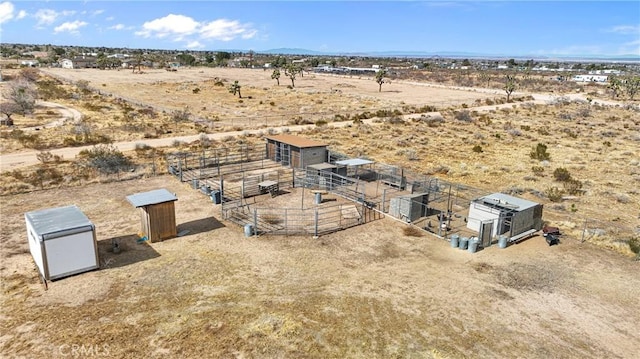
(29, 63)
(78, 63)
(590, 78)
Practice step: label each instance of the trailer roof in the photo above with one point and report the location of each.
(59, 219)
(296, 141)
(152, 197)
(507, 201)
(354, 162)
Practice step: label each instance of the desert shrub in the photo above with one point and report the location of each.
(514, 132)
(525, 127)
(489, 102)
(538, 170)
(540, 153)
(28, 140)
(573, 186)
(412, 231)
(44, 175)
(543, 131)
(320, 123)
(561, 174)
(107, 159)
(46, 157)
(218, 83)
(463, 116)
(554, 194)
(272, 103)
(477, 149)
(411, 154)
(51, 90)
(196, 90)
(395, 120)
(606, 143)
(634, 246)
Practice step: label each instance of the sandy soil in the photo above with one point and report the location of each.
(367, 292)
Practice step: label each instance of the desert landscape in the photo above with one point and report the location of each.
(375, 290)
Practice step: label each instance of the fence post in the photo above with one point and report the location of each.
(222, 196)
(286, 231)
(384, 197)
(315, 230)
(242, 187)
(180, 167)
(255, 221)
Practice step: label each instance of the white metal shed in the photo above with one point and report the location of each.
(62, 241)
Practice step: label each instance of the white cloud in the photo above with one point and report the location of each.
(70, 26)
(226, 30)
(46, 16)
(21, 14)
(110, 18)
(117, 27)
(630, 48)
(97, 12)
(625, 29)
(6, 11)
(194, 45)
(176, 26)
(184, 28)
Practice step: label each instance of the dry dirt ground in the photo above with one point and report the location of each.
(367, 292)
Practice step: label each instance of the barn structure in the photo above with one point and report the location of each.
(62, 241)
(500, 214)
(294, 151)
(157, 213)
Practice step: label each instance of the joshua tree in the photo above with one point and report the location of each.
(509, 86)
(380, 75)
(276, 76)
(235, 88)
(291, 71)
(631, 86)
(139, 59)
(615, 85)
(485, 77)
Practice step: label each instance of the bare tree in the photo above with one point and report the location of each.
(509, 85)
(8, 109)
(485, 77)
(23, 94)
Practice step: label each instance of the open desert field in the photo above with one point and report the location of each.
(366, 292)
(369, 291)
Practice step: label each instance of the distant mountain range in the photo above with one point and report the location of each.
(448, 54)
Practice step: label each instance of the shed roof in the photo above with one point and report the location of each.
(506, 201)
(59, 219)
(296, 141)
(152, 197)
(322, 166)
(354, 162)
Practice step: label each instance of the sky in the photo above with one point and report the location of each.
(505, 28)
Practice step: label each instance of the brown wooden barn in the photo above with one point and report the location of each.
(295, 151)
(157, 212)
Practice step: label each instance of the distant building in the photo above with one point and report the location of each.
(78, 63)
(590, 78)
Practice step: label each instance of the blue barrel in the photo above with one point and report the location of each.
(464, 241)
(248, 230)
(473, 245)
(216, 198)
(194, 183)
(454, 240)
(318, 199)
(502, 241)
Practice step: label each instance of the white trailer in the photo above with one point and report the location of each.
(62, 241)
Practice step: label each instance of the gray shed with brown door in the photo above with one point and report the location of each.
(157, 213)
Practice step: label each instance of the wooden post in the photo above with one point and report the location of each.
(255, 221)
(315, 231)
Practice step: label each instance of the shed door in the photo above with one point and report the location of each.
(295, 158)
(70, 254)
(271, 151)
(485, 233)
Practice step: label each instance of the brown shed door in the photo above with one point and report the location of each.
(271, 151)
(295, 158)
